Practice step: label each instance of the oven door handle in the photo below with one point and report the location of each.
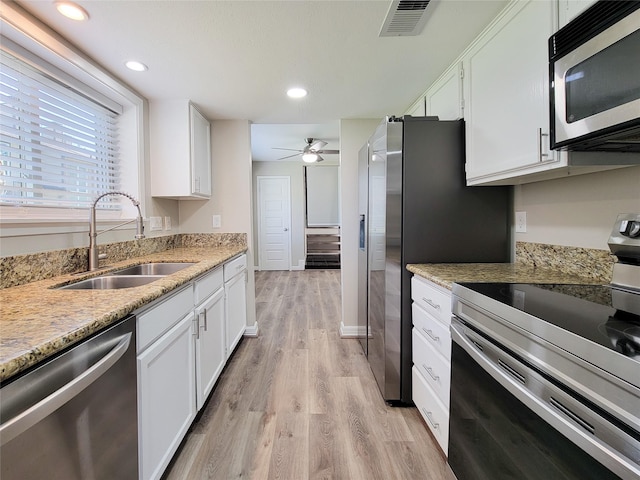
(22, 422)
(608, 456)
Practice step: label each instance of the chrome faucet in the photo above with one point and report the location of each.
(94, 256)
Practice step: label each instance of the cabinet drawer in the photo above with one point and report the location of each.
(434, 413)
(432, 300)
(235, 266)
(434, 332)
(207, 285)
(433, 367)
(161, 317)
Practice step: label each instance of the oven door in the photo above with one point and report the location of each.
(508, 420)
(596, 91)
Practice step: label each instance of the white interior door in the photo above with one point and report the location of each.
(274, 223)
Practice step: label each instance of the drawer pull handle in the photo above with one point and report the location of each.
(432, 303)
(431, 335)
(429, 415)
(436, 378)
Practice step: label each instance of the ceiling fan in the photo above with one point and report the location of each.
(311, 152)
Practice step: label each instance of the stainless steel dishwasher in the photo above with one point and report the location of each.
(74, 416)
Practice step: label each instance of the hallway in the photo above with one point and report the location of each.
(298, 402)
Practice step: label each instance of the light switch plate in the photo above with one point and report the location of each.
(155, 223)
(167, 223)
(217, 221)
(521, 222)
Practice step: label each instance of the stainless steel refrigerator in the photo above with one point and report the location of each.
(415, 208)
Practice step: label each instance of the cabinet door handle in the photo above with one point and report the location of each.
(436, 378)
(206, 323)
(196, 321)
(540, 154)
(432, 303)
(429, 416)
(430, 334)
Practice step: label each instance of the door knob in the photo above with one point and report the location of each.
(286, 229)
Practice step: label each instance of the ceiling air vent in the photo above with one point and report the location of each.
(405, 18)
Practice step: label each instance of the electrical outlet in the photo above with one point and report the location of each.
(521, 222)
(217, 221)
(155, 223)
(167, 223)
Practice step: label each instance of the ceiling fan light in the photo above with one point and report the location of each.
(309, 157)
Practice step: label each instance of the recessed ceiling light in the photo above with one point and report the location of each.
(136, 66)
(72, 10)
(297, 92)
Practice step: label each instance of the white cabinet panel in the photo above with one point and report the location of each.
(570, 9)
(180, 150)
(434, 332)
(435, 369)
(435, 414)
(444, 97)
(236, 310)
(507, 95)
(432, 299)
(210, 345)
(166, 403)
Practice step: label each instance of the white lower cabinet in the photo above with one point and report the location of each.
(166, 383)
(183, 343)
(210, 334)
(431, 345)
(235, 287)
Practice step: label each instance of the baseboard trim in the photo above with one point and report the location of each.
(300, 265)
(251, 331)
(349, 331)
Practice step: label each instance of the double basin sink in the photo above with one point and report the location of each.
(128, 277)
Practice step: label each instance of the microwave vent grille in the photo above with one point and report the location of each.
(597, 18)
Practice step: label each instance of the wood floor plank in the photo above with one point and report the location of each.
(299, 402)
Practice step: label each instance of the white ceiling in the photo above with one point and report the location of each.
(236, 58)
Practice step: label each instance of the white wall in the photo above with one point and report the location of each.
(353, 135)
(295, 171)
(231, 195)
(577, 211)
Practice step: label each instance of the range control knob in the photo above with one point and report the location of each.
(630, 228)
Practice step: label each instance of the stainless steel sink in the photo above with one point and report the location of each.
(153, 269)
(110, 282)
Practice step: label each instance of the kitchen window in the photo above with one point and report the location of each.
(58, 148)
(69, 131)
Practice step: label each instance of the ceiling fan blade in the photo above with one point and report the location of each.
(289, 156)
(290, 149)
(317, 145)
(320, 159)
(328, 152)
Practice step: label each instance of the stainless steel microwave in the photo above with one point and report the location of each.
(594, 75)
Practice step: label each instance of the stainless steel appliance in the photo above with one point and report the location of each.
(545, 379)
(75, 416)
(595, 79)
(415, 208)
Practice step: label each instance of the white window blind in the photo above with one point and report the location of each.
(57, 147)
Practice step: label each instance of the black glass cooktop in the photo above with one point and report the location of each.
(602, 314)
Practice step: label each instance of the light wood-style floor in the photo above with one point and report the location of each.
(298, 402)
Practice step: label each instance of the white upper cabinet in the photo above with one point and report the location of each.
(507, 96)
(570, 9)
(444, 97)
(180, 147)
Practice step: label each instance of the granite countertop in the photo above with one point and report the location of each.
(445, 274)
(37, 320)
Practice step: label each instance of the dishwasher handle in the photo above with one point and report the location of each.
(25, 420)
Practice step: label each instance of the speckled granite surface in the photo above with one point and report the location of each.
(36, 320)
(583, 262)
(21, 269)
(535, 263)
(445, 274)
